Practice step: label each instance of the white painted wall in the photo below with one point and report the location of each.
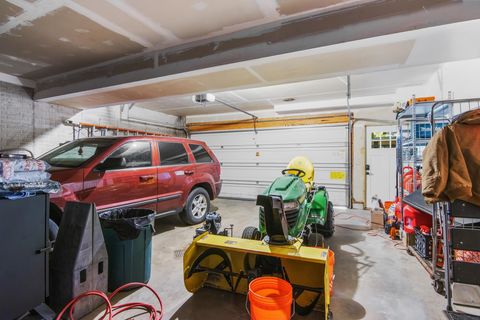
(461, 78)
(38, 126)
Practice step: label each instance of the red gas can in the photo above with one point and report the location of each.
(415, 218)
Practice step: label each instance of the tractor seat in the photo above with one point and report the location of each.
(304, 164)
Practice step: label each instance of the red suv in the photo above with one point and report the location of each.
(168, 175)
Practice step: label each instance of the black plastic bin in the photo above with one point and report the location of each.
(423, 244)
(128, 236)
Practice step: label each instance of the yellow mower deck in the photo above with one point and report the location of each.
(305, 267)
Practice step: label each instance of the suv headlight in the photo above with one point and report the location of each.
(292, 205)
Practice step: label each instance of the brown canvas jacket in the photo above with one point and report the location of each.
(451, 162)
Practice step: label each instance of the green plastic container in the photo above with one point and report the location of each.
(128, 260)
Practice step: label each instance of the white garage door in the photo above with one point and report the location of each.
(250, 162)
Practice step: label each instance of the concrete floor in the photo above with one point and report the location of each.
(375, 278)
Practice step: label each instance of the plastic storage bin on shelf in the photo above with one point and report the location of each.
(415, 218)
(128, 236)
(423, 244)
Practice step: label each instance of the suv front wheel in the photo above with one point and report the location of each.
(197, 207)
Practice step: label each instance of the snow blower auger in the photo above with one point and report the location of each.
(217, 259)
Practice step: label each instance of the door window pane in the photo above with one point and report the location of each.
(201, 155)
(133, 154)
(383, 139)
(172, 153)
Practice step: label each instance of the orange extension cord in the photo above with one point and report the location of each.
(114, 310)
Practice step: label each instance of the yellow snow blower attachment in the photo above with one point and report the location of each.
(217, 260)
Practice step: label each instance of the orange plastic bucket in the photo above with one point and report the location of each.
(270, 299)
(331, 275)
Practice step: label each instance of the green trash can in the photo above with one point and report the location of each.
(128, 237)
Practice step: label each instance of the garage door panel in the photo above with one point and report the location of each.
(237, 138)
(250, 162)
(317, 154)
(267, 174)
(303, 135)
(284, 137)
(240, 191)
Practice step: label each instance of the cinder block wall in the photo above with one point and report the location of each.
(38, 126)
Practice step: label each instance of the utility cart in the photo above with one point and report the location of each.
(414, 133)
(420, 120)
(459, 222)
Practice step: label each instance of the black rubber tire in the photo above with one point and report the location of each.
(315, 239)
(329, 228)
(251, 233)
(52, 230)
(55, 214)
(439, 287)
(187, 215)
(305, 310)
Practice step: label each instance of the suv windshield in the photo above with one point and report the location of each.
(76, 153)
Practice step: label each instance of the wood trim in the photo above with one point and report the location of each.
(268, 122)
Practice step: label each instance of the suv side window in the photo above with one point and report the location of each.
(172, 153)
(134, 154)
(200, 154)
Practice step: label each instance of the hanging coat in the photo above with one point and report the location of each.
(451, 161)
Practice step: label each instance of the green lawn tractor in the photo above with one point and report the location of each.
(308, 211)
(295, 215)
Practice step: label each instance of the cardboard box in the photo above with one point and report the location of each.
(376, 219)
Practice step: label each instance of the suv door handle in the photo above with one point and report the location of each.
(188, 172)
(146, 178)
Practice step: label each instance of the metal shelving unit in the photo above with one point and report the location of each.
(416, 125)
(459, 220)
(415, 131)
(414, 128)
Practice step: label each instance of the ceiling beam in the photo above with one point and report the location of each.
(16, 80)
(361, 21)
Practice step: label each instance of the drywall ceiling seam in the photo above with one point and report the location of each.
(134, 13)
(268, 8)
(40, 9)
(256, 74)
(390, 38)
(386, 39)
(233, 93)
(17, 80)
(107, 23)
(342, 80)
(25, 5)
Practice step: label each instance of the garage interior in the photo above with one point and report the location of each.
(379, 98)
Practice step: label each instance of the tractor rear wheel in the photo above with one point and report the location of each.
(329, 227)
(251, 233)
(315, 239)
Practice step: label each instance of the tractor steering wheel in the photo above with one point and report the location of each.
(300, 173)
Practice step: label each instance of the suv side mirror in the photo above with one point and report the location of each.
(112, 164)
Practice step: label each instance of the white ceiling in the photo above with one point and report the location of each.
(421, 53)
(41, 38)
(263, 98)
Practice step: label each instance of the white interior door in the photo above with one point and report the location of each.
(381, 164)
(250, 162)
